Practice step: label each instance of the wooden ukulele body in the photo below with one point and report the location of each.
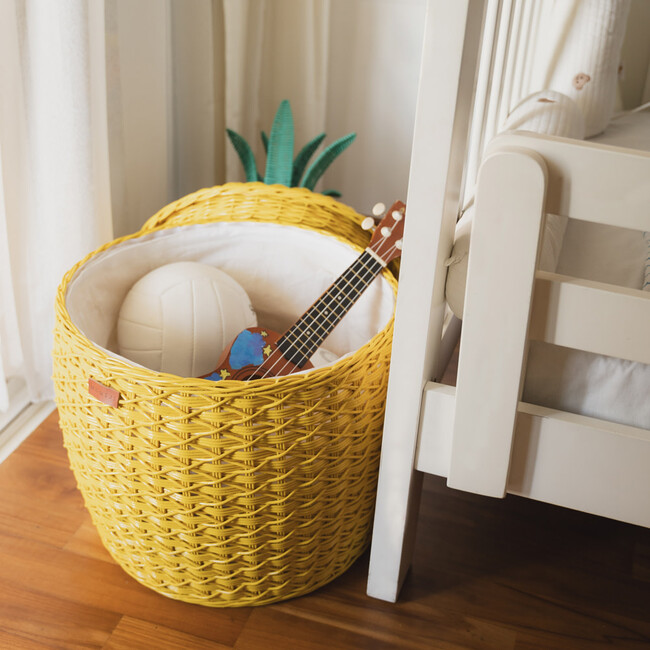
(252, 355)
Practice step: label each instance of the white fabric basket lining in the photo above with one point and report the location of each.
(282, 268)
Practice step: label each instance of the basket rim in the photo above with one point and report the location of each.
(157, 220)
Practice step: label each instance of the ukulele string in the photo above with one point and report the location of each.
(306, 345)
(363, 284)
(316, 318)
(303, 346)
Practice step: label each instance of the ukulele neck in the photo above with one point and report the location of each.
(300, 342)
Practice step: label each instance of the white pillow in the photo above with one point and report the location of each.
(579, 52)
(549, 112)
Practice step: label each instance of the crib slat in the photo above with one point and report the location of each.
(500, 281)
(586, 315)
(433, 454)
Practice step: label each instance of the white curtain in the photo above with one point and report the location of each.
(111, 108)
(55, 193)
(180, 72)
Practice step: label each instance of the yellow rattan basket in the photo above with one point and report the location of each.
(229, 493)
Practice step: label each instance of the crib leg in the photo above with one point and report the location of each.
(452, 35)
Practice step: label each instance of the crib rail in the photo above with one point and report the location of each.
(481, 435)
(452, 36)
(557, 457)
(588, 180)
(577, 313)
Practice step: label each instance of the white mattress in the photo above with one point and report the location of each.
(580, 382)
(630, 130)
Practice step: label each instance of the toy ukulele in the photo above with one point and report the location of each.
(258, 352)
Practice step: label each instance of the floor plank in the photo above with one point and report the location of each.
(52, 621)
(273, 628)
(86, 542)
(15, 642)
(487, 573)
(134, 634)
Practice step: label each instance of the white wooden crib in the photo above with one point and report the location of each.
(480, 434)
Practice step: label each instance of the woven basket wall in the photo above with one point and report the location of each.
(228, 493)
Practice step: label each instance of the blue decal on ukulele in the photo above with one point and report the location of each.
(247, 350)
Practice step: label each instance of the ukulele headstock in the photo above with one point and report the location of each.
(386, 241)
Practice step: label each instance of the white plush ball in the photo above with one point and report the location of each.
(180, 317)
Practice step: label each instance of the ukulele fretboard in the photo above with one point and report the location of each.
(300, 342)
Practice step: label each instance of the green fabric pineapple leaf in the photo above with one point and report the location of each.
(245, 155)
(265, 143)
(279, 160)
(335, 194)
(301, 160)
(324, 160)
(281, 167)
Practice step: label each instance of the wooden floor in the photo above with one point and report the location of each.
(487, 574)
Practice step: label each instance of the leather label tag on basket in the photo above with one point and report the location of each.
(105, 394)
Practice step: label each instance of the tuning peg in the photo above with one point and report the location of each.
(378, 209)
(368, 223)
(398, 244)
(385, 231)
(397, 215)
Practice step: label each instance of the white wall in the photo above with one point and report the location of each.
(373, 78)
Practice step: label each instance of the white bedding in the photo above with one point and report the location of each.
(581, 382)
(630, 130)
